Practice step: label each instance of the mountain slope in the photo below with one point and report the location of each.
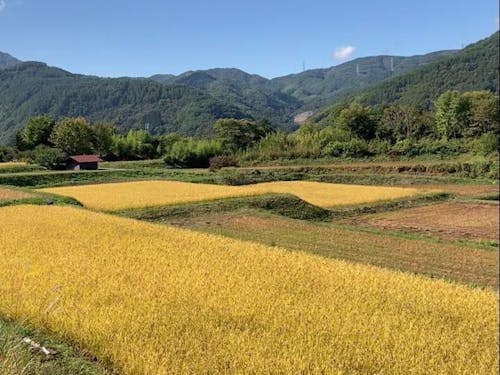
(473, 68)
(32, 88)
(7, 60)
(248, 92)
(280, 99)
(191, 102)
(318, 87)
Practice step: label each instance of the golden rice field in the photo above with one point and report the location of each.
(11, 164)
(155, 299)
(118, 196)
(8, 194)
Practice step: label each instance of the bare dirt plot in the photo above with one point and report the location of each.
(451, 220)
(442, 260)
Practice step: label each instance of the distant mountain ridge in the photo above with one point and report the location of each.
(7, 60)
(310, 89)
(473, 68)
(32, 88)
(190, 102)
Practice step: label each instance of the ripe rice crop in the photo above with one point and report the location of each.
(118, 196)
(156, 299)
(11, 164)
(9, 195)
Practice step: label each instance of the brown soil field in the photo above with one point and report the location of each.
(442, 260)
(451, 220)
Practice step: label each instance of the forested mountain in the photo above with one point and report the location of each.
(30, 88)
(318, 87)
(7, 60)
(280, 97)
(473, 68)
(191, 102)
(248, 92)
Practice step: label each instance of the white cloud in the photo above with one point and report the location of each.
(343, 52)
(2, 5)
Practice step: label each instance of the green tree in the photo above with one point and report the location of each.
(194, 153)
(103, 138)
(38, 131)
(241, 134)
(361, 121)
(484, 116)
(49, 157)
(141, 143)
(74, 136)
(453, 113)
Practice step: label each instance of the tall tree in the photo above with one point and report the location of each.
(103, 138)
(38, 131)
(360, 120)
(484, 116)
(241, 134)
(74, 136)
(453, 111)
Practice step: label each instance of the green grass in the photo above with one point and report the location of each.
(21, 169)
(16, 357)
(281, 204)
(134, 164)
(364, 174)
(38, 198)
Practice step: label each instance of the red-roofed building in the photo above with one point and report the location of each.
(79, 162)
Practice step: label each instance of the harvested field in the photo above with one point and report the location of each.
(120, 196)
(10, 195)
(449, 261)
(153, 299)
(469, 191)
(451, 220)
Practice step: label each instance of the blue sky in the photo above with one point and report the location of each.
(266, 37)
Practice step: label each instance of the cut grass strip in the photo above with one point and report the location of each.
(17, 358)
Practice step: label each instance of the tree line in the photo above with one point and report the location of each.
(460, 123)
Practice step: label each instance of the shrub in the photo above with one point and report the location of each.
(353, 148)
(193, 153)
(7, 154)
(49, 157)
(486, 144)
(222, 161)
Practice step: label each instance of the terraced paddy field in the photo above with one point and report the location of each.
(153, 299)
(451, 220)
(447, 260)
(128, 195)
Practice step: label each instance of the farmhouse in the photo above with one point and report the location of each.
(79, 162)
